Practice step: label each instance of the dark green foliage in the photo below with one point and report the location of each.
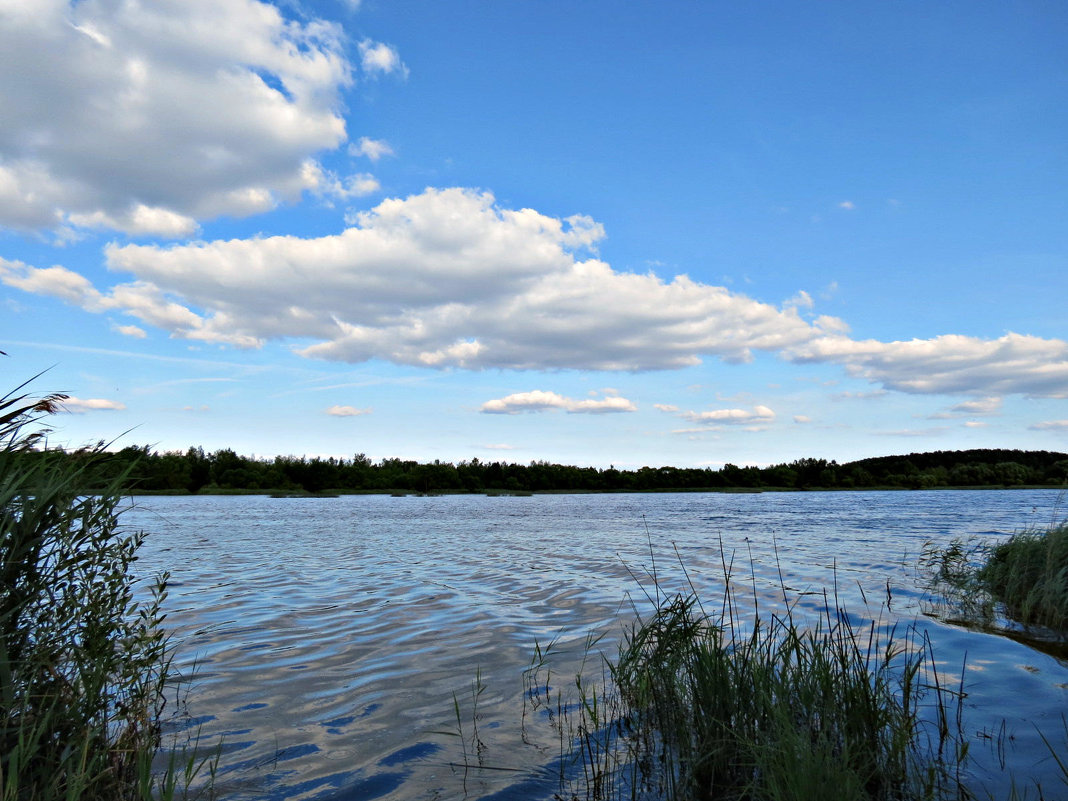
(224, 469)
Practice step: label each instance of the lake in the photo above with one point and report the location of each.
(334, 639)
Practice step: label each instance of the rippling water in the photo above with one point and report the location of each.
(331, 636)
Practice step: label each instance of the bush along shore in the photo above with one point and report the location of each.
(84, 666)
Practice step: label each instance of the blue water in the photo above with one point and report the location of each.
(333, 640)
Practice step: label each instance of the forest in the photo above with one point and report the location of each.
(195, 471)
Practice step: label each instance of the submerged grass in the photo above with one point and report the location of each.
(744, 707)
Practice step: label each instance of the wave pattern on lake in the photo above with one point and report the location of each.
(331, 637)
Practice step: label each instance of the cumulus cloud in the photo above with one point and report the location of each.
(374, 149)
(138, 299)
(379, 58)
(1050, 425)
(950, 364)
(327, 183)
(665, 407)
(848, 205)
(448, 279)
(444, 278)
(145, 117)
(802, 419)
(346, 411)
(540, 401)
(801, 300)
(81, 406)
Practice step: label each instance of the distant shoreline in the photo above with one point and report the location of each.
(334, 493)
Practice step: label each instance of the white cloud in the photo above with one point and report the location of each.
(145, 117)
(374, 149)
(802, 300)
(326, 183)
(912, 432)
(1050, 425)
(346, 411)
(758, 415)
(138, 299)
(499, 446)
(448, 279)
(950, 364)
(540, 401)
(444, 279)
(872, 395)
(801, 419)
(848, 205)
(665, 407)
(376, 57)
(975, 424)
(980, 406)
(131, 331)
(80, 405)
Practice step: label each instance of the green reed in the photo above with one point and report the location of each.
(1026, 577)
(738, 706)
(84, 665)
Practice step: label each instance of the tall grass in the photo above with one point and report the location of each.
(751, 708)
(84, 665)
(1025, 577)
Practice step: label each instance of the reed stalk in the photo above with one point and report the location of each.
(84, 659)
(736, 706)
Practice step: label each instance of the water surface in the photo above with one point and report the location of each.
(332, 637)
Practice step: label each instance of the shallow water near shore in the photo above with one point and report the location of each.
(335, 639)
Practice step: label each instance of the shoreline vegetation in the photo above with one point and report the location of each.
(1022, 580)
(734, 704)
(85, 666)
(729, 702)
(223, 472)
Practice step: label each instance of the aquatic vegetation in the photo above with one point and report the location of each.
(1025, 577)
(731, 706)
(84, 665)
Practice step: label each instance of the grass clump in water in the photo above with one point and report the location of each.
(701, 706)
(1026, 575)
(83, 664)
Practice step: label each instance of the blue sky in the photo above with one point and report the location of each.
(597, 233)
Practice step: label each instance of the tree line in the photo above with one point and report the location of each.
(224, 470)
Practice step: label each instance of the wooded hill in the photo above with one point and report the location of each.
(196, 471)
